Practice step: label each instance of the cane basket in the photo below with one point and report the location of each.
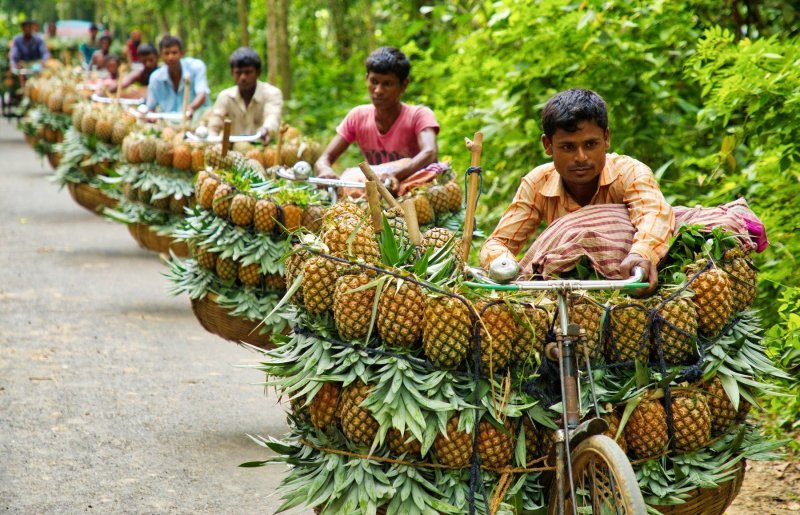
(147, 239)
(218, 320)
(709, 501)
(90, 197)
(54, 158)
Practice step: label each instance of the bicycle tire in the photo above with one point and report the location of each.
(592, 460)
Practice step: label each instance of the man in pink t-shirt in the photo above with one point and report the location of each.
(399, 137)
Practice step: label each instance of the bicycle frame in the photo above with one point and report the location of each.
(564, 353)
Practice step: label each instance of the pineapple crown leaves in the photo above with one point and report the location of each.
(393, 252)
(295, 286)
(416, 492)
(186, 277)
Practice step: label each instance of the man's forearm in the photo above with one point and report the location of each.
(418, 162)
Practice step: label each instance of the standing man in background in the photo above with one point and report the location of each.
(88, 47)
(251, 105)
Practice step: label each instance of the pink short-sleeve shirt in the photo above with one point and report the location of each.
(399, 142)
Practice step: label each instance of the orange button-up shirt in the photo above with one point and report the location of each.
(542, 196)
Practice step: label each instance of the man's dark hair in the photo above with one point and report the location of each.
(567, 109)
(389, 60)
(243, 57)
(169, 41)
(147, 49)
(104, 37)
(27, 22)
(93, 27)
(112, 57)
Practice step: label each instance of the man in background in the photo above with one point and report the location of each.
(88, 48)
(166, 88)
(27, 47)
(251, 105)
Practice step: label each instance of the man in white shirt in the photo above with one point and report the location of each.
(251, 105)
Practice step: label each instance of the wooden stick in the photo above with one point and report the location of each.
(279, 145)
(411, 221)
(186, 84)
(374, 200)
(370, 175)
(226, 136)
(473, 182)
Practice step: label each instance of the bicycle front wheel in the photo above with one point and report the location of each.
(604, 481)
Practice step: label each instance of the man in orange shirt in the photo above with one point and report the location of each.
(576, 135)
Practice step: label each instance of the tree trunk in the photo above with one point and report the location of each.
(272, 41)
(370, 19)
(338, 10)
(244, 37)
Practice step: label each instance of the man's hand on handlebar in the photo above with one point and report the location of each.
(649, 268)
(393, 184)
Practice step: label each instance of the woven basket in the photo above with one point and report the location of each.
(149, 240)
(90, 197)
(218, 320)
(54, 158)
(709, 501)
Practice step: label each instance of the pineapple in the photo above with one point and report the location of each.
(454, 196)
(103, 129)
(723, 414)
(532, 450)
(274, 282)
(614, 421)
(712, 298)
(256, 155)
(292, 217)
(269, 157)
(678, 329)
(453, 448)
(589, 315)
(358, 424)
(439, 198)
(198, 182)
(446, 331)
(160, 203)
(178, 204)
(533, 323)
(119, 131)
(213, 157)
(312, 218)
(250, 275)
(164, 153)
(293, 267)
(256, 167)
(88, 122)
(242, 207)
(494, 445)
(344, 209)
(742, 278)
(319, 284)
(227, 270)
(147, 149)
(424, 209)
(400, 309)
(499, 330)
(403, 443)
(182, 157)
(629, 333)
(322, 410)
(352, 311)
(646, 430)
(198, 160)
(342, 241)
(691, 421)
(264, 215)
(397, 222)
(206, 259)
(439, 237)
(743, 411)
(222, 200)
(207, 191)
(547, 440)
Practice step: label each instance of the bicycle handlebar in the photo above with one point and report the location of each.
(632, 283)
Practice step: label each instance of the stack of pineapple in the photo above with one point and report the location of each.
(384, 362)
(51, 101)
(238, 232)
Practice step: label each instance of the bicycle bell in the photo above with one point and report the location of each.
(302, 170)
(503, 269)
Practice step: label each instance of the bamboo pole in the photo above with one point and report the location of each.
(412, 225)
(282, 128)
(374, 200)
(226, 136)
(186, 84)
(473, 182)
(386, 194)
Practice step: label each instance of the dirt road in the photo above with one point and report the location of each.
(112, 397)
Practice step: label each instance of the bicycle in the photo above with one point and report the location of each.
(599, 475)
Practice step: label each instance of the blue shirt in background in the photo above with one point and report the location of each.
(161, 94)
(33, 49)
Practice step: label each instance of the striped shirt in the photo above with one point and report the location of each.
(542, 197)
